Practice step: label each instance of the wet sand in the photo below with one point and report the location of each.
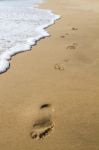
(49, 98)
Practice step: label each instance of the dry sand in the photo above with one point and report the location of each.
(62, 70)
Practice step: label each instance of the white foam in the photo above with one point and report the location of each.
(21, 25)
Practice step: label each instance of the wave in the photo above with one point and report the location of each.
(22, 24)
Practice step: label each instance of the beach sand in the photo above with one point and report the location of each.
(49, 98)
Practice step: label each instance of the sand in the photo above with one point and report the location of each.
(52, 92)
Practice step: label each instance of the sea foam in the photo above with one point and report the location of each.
(22, 23)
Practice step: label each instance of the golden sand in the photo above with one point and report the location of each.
(56, 85)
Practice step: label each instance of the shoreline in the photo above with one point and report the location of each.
(39, 33)
(61, 72)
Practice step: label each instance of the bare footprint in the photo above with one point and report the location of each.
(73, 28)
(62, 36)
(43, 125)
(72, 47)
(59, 67)
(45, 106)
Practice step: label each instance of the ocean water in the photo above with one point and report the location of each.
(22, 23)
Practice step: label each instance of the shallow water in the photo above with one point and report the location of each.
(22, 23)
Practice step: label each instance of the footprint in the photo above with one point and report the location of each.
(43, 125)
(73, 28)
(45, 106)
(59, 67)
(72, 47)
(62, 36)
